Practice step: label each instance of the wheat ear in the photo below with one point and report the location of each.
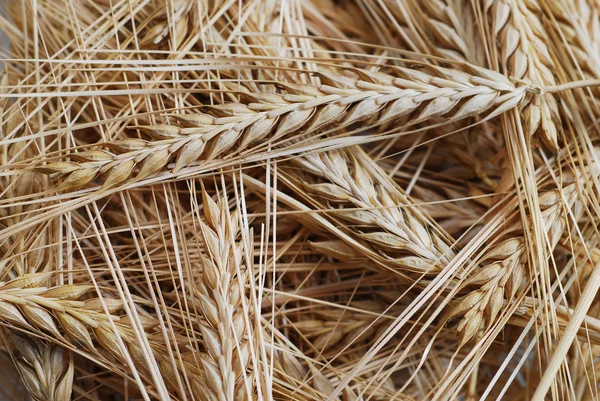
(525, 56)
(47, 370)
(395, 233)
(418, 95)
(25, 304)
(503, 274)
(578, 23)
(446, 25)
(223, 284)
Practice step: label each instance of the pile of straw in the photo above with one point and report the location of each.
(312, 200)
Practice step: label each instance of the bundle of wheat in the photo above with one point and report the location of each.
(300, 200)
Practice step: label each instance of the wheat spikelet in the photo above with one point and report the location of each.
(224, 330)
(503, 273)
(47, 370)
(341, 101)
(525, 56)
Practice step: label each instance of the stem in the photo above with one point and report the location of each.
(570, 85)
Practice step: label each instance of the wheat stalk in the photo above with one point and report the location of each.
(46, 369)
(223, 284)
(341, 101)
(503, 273)
(525, 56)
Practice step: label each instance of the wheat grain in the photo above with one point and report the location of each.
(427, 93)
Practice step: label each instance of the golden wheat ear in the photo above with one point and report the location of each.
(222, 291)
(421, 94)
(504, 272)
(381, 216)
